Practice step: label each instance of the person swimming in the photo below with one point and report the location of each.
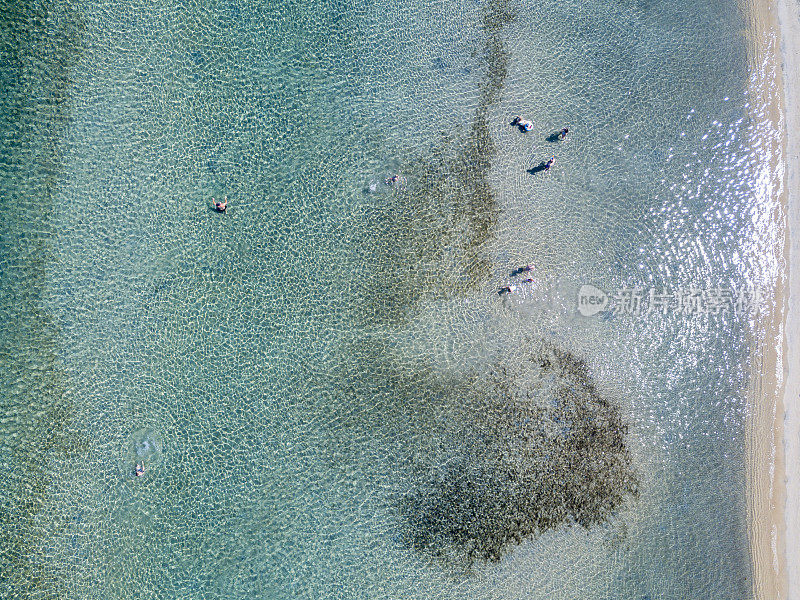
(139, 470)
(563, 133)
(521, 270)
(393, 179)
(523, 124)
(507, 289)
(549, 163)
(220, 206)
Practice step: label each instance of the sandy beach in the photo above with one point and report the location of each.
(788, 13)
(773, 51)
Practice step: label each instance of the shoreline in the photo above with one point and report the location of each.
(788, 13)
(769, 45)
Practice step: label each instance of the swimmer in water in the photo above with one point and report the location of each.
(523, 124)
(393, 179)
(549, 163)
(139, 470)
(508, 289)
(563, 133)
(220, 206)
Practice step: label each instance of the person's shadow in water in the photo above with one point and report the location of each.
(554, 137)
(542, 166)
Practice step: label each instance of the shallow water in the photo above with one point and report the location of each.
(291, 371)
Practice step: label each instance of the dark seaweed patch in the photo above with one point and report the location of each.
(539, 448)
(436, 231)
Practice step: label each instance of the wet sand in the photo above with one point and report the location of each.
(773, 49)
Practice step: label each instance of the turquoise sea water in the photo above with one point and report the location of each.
(315, 379)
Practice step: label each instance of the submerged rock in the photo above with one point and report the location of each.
(538, 447)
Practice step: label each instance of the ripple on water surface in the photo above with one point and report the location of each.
(328, 395)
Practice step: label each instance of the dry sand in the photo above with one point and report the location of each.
(774, 53)
(788, 12)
